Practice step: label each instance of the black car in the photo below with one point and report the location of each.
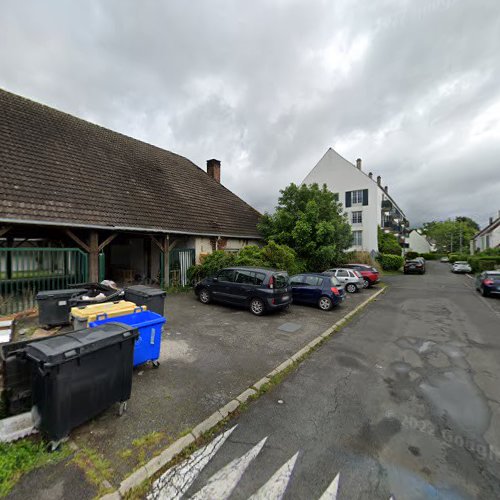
(488, 282)
(260, 290)
(414, 266)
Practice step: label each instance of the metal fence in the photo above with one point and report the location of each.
(181, 259)
(26, 271)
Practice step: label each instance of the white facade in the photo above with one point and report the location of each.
(418, 242)
(489, 237)
(367, 204)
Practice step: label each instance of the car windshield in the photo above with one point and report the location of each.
(461, 262)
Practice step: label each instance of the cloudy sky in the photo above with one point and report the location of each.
(267, 86)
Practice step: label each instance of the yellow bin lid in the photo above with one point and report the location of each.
(106, 309)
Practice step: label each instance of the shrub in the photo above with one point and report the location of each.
(457, 256)
(479, 264)
(359, 258)
(250, 255)
(390, 262)
(412, 255)
(432, 256)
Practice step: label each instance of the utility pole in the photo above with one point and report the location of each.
(460, 238)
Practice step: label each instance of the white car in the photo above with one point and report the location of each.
(461, 266)
(352, 280)
(445, 259)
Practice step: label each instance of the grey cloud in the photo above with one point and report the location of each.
(268, 86)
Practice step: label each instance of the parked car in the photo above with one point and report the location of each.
(350, 278)
(461, 266)
(414, 266)
(369, 273)
(260, 290)
(445, 259)
(316, 288)
(488, 282)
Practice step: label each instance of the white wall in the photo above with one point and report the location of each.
(340, 176)
(418, 243)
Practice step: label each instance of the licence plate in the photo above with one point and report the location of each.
(285, 297)
(412, 267)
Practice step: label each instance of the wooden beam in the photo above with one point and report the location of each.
(4, 230)
(77, 240)
(158, 244)
(107, 241)
(173, 244)
(166, 261)
(94, 257)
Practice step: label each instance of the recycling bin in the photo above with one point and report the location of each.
(148, 344)
(54, 305)
(152, 298)
(78, 375)
(82, 315)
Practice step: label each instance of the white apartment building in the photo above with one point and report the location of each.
(367, 204)
(489, 237)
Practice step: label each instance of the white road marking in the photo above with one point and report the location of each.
(469, 276)
(331, 492)
(176, 481)
(223, 482)
(275, 487)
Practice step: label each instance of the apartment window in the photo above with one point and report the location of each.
(357, 217)
(357, 197)
(357, 238)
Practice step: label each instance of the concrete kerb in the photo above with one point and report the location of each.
(156, 463)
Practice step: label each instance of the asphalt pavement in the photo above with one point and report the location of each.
(403, 402)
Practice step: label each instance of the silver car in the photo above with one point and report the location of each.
(461, 266)
(350, 278)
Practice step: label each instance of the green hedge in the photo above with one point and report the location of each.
(411, 255)
(432, 256)
(457, 256)
(486, 263)
(390, 262)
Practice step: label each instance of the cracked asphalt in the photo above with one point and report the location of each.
(404, 401)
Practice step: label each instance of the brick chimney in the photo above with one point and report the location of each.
(491, 221)
(379, 180)
(358, 163)
(213, 169)
(386, 189)
(370, 175)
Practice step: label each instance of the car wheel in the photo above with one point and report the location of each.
(204, 296)
(325, 303)
(257, 307)
(366, 283)
(484, 293)
(351, 288)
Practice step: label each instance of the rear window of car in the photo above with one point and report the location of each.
(250, 277)
(461, 262)
(226, 275)
(281, 280)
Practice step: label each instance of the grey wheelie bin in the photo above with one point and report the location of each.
(78, 375)
(54, 305)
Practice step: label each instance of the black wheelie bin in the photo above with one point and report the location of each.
(54, 305)
(152, 298)
(78, 375)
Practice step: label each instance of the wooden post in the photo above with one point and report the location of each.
(94, 257)
(8, 263)
(166, 261)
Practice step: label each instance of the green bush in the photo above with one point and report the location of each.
(411, 255)
(479, 264)
(457, 256)
(432, 256)
(388, 243)
(489, 252)
(390, 262)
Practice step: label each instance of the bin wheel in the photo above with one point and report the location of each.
(54, 445)
(156, 364)
(122, 408)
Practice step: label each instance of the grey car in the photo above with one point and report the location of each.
(350, 278)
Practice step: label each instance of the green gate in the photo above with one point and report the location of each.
(26, 271)
(181, 259)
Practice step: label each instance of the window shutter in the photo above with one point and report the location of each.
(348, 199)
(365, 196)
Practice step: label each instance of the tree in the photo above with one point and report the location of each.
(452, 235)
(388, 243)
(309, 220)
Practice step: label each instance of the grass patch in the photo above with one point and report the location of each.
(96, 468)
(145, 443)
(20, 457)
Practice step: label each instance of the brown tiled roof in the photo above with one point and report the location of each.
(56, 168)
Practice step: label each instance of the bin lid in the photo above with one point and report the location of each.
(90, 312)
(60, 294)
(146, 291)
(57, 350)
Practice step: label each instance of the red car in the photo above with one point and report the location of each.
(369, 273)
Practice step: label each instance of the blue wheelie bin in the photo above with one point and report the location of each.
(148, 344)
